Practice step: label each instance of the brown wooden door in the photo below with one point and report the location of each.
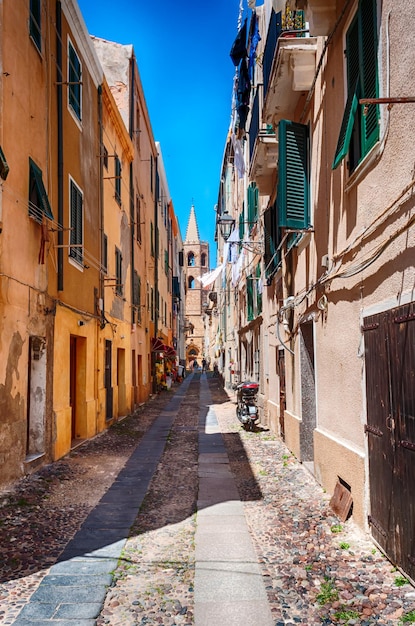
(390, 390)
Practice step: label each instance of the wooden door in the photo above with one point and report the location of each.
(390, 391)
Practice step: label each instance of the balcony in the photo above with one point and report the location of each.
(263, 148)
(288, 68)
(320, 14)
(291, 77)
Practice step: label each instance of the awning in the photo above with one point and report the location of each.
(169, 352)
(157, 345)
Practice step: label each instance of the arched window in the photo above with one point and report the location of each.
(203, 259)
(191, 259)
(191, 282)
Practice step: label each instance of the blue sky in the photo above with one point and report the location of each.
(182, 50)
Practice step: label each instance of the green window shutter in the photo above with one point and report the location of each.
(118, 272)
(241, 227)
(258, 291)
(35, 23)
(346, 128)
(293, 176)
(250, 297)
(118, 180)
(272, 255)
(359, 132)
(369, 78)
(74, 79)
(252, 193)
(76, 224)
(38, 198)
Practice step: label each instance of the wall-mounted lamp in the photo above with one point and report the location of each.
(226, 225)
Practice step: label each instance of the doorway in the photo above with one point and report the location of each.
(308, 395)
(390, 397)
(36, 398)
(108, 380)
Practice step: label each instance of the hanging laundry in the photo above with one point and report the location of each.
(243, 93)
(238, 50)
(254, 39)
(239, 155)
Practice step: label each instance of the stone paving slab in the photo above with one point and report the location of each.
(222, 581)
(244, 613)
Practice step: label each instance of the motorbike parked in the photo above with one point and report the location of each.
(246, 404)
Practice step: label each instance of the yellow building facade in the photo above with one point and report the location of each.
(79, 204)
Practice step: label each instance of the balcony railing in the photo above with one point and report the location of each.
(288, 24)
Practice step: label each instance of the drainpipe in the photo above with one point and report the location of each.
(101, 293)
(132, 195)
(60, 139)
(156, 268)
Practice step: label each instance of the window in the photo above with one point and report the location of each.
(117, 180)
(191, 262)
(293, 176)
(258, 286)
(359, 132)
(151, 239)
(138, 218)
(137, 295)
(272, 256)
(250, 297)
(191, 282)
(74, 80)
(105, 157)
(252, 193)
(203, 259)
(118, 272)
(166, 262)
(39, 206)
(137, 127)
(35, 24)
(76, 236)
(105, 254)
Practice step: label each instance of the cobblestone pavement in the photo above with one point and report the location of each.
(316, 570)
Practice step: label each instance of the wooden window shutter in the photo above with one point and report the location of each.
(74, 77)
(346, 127)
(252, 193)
(76, 223)
(250, 297)
(35, 23)
(293, 181)
(369, 78)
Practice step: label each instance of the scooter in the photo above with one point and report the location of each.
(246, 404)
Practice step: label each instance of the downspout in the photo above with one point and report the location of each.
(100, 303)
(156, 268)
(60, 140)
(132, 198)
(99, 297)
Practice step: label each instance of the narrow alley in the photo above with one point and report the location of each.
(177, 516)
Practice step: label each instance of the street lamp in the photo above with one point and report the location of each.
(226, 225)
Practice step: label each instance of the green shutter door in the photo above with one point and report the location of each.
(293, 172)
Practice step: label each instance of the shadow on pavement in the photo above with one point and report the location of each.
(158, 485)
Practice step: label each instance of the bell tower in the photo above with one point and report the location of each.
(196, 263)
